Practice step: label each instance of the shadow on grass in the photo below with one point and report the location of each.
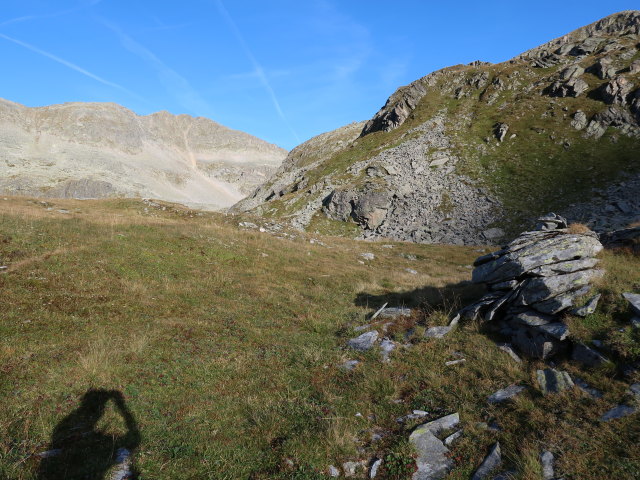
(80, 450)
(451, 297)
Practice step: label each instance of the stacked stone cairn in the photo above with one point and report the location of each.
(533, 281)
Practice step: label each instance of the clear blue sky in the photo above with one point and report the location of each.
(283, 70)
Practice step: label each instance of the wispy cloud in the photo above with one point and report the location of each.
(258, 70)
(59, 13)
(178, 86)
(69, 64)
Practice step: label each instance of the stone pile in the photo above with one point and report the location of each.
(533, 280)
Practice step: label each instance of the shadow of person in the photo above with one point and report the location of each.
(80, 450)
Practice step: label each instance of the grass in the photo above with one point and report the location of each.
(224, 345)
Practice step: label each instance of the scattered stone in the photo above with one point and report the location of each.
(493, 233)
(351, 469)
(618, 412)
(395, 312)
(386, 347)
(584, 386)
(505, 394)
(579, 121)
(373, 471)
(588, 308)
(415, 415)
(411, 271)
(333, 471)
(489, 464)
(437, 332)
(553, 381)
(547, 459)
(616, 91)
(361, 328)
(452, 438)
(501, 130)
(433, 461)
(364, 342)
(368, 256)
(349, 365)
(587, 356)
(634, 301)
(455, 362)
(505, 347)
(247, 225)
(604, 69)
(379, 311)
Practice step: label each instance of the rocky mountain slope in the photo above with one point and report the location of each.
(472, 153)
(95, 150)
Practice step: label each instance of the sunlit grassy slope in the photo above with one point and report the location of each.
(225, 344)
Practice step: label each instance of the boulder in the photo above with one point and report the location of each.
(579, 121)
(491, 462)
(500, 131)
(553, 381)
(370, 209)
(604, 69)
(571, 88)
(616, 91)
(364, 342)
(433, 462)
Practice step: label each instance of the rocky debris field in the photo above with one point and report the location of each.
(532, 283)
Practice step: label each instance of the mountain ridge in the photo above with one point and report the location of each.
(95, 150)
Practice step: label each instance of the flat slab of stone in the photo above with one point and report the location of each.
(618, 412)
(395, 312)
(557, 330)
(553, 381)
(546, 460)
(364, 342)
(587, 356)
(443, 423)
(489, 464)
(437, 332)
(432, 462)
(505, 394)
(588, 308)
(586, 388)
(505, 347)
(453, 437)
(634, 301)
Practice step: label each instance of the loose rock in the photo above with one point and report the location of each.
(505, 394)
(364, 342)
(588, 308)
(437, 332)
(547, 459)
(634, 301)
(553, 381)
(490, 463)
(618, 412)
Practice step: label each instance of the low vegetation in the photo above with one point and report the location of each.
(224, 345)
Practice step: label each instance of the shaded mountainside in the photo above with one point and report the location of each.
(472, 153)
(95, 150)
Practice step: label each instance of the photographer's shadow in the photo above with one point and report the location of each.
(80, 450)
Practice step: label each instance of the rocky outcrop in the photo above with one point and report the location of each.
(532, 281)
(96, 150)
(470, 152)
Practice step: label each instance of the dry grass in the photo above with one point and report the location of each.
(576, 228)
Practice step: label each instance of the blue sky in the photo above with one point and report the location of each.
(283, 70)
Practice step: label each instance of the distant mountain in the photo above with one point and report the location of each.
(96, 150)
(473, 153)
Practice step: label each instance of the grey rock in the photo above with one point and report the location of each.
(333, 471)
(508, 285)
(616, 91)
(386, 347)
(634, 67)
(547, 459)
(557, 330)
(453, 437)
(563, 301)
(364, 342)
(604, 69)
(588, 308)
(571, 88)
(573, 71)
(432, 462)
(501, 130)
(493, 233)
(505, 347)
(535, 344)
(587, 356)
(370, 209)
(349, 365)
(553, 381)
(368, 256)
(395, 312)
(532, 318)
(352, 469)
(551, 221)
(579, 121)
(635, 322)
(455, 362)
(437, 332)
(505, 394)
(373, 471)
(537, 290)
(634, 301)
(491, 462)
(570, 266)
(618, 412)
(586, 388)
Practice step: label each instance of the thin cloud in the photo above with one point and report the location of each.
(69, 64)
(258, 70)
(176, 85)
(59, 13)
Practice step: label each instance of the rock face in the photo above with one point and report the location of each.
(532, 280)
(92, 150)
(443, 162)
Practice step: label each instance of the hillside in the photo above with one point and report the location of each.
(97, 150)
(473, 153)
(215, 351)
